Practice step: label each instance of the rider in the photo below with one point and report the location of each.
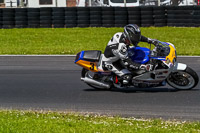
(117, 51)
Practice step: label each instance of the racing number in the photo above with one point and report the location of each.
(92, 66)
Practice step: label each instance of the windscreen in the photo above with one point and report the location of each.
(122, 1)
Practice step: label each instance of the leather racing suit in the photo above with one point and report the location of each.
(117, 51)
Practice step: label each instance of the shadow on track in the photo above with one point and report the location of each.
(140, 90)
(135, 90)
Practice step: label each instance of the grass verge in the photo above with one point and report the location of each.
(47, 122)
(73, 40)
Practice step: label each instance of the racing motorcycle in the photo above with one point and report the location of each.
(165, 69)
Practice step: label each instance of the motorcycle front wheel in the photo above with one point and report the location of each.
(91, 75)
(183, 80)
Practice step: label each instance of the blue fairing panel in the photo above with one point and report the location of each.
(79, 56)
(141, 54)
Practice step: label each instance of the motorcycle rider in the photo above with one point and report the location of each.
(116, 51)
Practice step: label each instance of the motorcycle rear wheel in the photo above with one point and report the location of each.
(183, 80)
(89, 74)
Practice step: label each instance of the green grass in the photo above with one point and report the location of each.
(73, 40)
(52, 122)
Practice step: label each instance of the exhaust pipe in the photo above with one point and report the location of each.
(94, 82)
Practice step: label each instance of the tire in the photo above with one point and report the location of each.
(83, 17)
(160, 24)
(159, 16)
(9, 26)
(46, 22)
(146, 8)
(134, 21)
(8, 19)
(108, 25)
(83, 25)
(160, 20)
(95, 22)
(107, 17)
(184, 12)
(8, 15)
(62, 14)
(95, 25)
(134, 17)
(70, 21)
(45, 9)
(134, 13)
(58, 22)
(83, 13)
(120, 9)
(58, 26)
(146, 25)
(95, 17)
(183, 80)
(58, 9)
(159, 12)
(73, 9)
(33, 14)
(45, 25)
(158, 8)
(36, 22)
(70, 13)
(84, 74)
(95, 9)
(146, 13)
(150, 21)
(174, 16)
(45, 18)
(108, 22)
(71, 25)
(45, 13)
(8, 10)
(18, 14)
(120, 13)
(120, 25)
(133, 8)
(21, 22)
(124, 22)
(33, 19)
(82, 9)
(33, 10)
(107, 13)
(95, 13)
(8, 22)
(107, 9)
(145, 17)
(21, 26)
(33, 25)
(121, 17)
(58, 18)
(20, 10)
(70, 17)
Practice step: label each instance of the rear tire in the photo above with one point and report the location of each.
(183, 80)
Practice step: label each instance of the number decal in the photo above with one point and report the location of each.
(92, 66)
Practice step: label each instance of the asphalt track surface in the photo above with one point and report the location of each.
(53, 83)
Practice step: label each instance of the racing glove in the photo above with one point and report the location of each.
(153, 41)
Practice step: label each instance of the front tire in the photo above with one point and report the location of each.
(183, 79)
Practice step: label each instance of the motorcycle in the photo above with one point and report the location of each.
(165, 69)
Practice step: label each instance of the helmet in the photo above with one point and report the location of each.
(132, 33)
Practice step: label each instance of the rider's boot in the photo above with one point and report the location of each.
(126, 79)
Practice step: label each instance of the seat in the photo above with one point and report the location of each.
(92, 55)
